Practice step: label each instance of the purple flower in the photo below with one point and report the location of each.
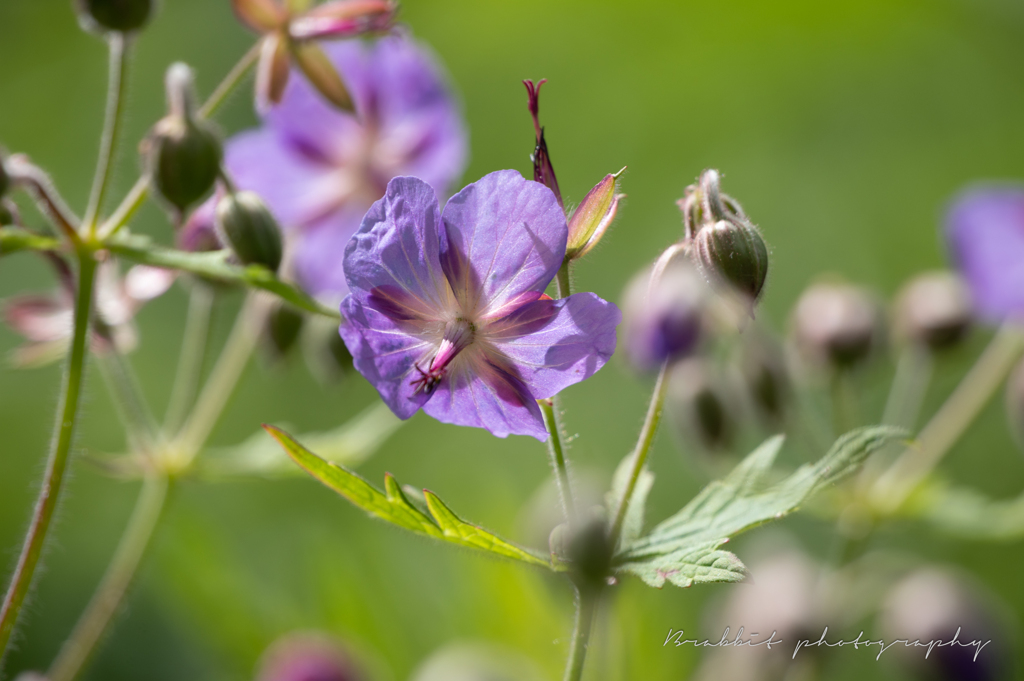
(319, 169)
(447, 310)
(307, 656)
(985, 230)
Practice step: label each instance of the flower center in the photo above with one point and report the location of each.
(458, 335)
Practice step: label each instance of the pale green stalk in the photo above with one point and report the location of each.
(586, 606)
(111, 127)
(193, 353)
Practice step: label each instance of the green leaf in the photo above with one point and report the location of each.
(14, 239)
(684, 549)
(214, 265)
(633, 523)
(393, 506)
(969, 514)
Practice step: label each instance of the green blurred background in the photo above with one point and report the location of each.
(842, 127)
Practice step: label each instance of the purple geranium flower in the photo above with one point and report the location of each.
(447, 310)
(985, 229)
(320, 169)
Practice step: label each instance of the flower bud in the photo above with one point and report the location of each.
(282, 329)
(836, 324)
(588, 549)
(122, 16)
(592, 217)
(726, 245)
(1015, 402)
(245, 223)
(307, 657)
(663, 314)
(543, 171)
(934, 310)
(767, 380)
(184, 152)
(703, 412)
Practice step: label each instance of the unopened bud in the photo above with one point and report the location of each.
(588, 548)
(836, 324)
(246, 224)
(726, 245)
(695, 390)
(1015, 402)
(767, 380)
(184, 152)
(592, 217)
(282, 329)
(123, 16)
(934, 310)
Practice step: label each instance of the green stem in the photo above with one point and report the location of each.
(909, 386)
(586, 606)
(57, 463)
(193, 355)
(643, 447)
(547, 408)
(107, 599)
(140, 190)
(562, 281)
(844, 403)
(111, 127)
(952, 419)
(134, 411)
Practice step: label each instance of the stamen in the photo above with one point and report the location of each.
(458, 335)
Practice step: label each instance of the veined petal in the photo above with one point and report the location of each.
(556, 343)
(504, 236)
(482, 390)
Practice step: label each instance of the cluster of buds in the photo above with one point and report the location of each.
(183, 152)
(290, 32)
(725, 244)
(119, 16)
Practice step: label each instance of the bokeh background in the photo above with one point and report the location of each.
(842, 127)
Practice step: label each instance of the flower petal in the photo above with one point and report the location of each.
(483, 391)
(556, 343)
(40, 318)
(320, 253)
(504, 236)
(985, 231)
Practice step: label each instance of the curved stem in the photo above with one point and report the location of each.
(909, 385)
(643, 447)
(547, 408)
(64, 433)
(111, 127)
(952, 419)
(193, 354)
(586, 606)
(88, 631)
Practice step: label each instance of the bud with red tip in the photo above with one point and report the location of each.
(122, 16)
(543, 171)
(592, 217)
(836, 324)
(934, 310)
(246, 224)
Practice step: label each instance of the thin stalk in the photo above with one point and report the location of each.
(586, 606)
(89, 630)
(140, 190)
(132, 406)
(193, 355)
(909, 386)
(952, 419)
(643, 447)
(562, 281)
(224, 378)
(64, 431)
(547, 408)
(39, 185)
(844, 403)
(111, 127)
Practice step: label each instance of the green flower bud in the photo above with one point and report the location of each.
(245, 223)
(934, 310)
(184, 152)
(122, 16)
(282, 329)
(836, 324)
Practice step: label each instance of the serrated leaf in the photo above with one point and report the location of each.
(393, 505)
(689, 540)
(633, 523)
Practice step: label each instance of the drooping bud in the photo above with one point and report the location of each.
(592, 217)
(766, 377)
(726, 244)
(1015, 402)
(701, 405)
(934, 310)
(245, 223)
(307, 656)
(836, 324)
(123, 16)
(184, 153)
(543, 171)
(281, 330)
(663, 312)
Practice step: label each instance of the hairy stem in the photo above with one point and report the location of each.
(586, 606)
(193, 355)
(563, 282)
(952, 419)
(89, 630)
(643, 447)
(64, 431)
(547, 408)
(111, 127)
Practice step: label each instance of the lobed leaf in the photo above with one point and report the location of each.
(394, 506)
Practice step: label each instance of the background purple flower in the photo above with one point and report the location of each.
(985, 231)
(320, 169)
(447, 311)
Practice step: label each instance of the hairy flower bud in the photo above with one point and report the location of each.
(282, 329)
(592, 217)
(123, 16)
(934, 310)
(702, 408)
(184, 153)
(587, 548)
(245, 223)
(836, 324)
(726, 245)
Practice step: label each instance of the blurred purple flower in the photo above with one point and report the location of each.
(985, 232)
(447, 310)
(306, 657)
(319, 169)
